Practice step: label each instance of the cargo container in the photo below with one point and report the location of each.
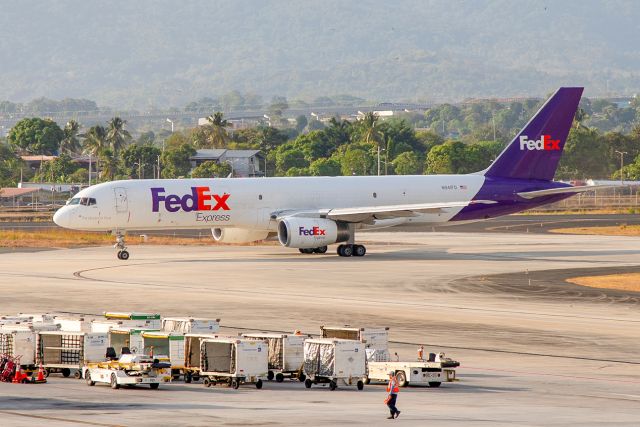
(166, 347)
(286, 355)
(192, 355)
(376, 340)
(68, 351)
(233, 361)
(136, 320)
(190, 325)
(332, 360)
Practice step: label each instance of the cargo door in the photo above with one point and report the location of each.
(95, 347)
(121, 200)
(293, 352)
(176, 351)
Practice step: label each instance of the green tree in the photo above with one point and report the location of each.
(10, 167)
(354, 160)
(140, 160)
(217, 136)
(175, 161)
(325, 167)
(117, 136)
(109, 164)
(36, 136)
(301, 122)
(56, 170)
(289, 158)
(95, 140)
(71, 143)
(585, 156)
(407, 163)
(446, 158)
(211, 169)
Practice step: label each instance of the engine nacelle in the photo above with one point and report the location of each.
(238, 235)
(304, 233)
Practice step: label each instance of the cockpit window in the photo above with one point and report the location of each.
(74, 201)
(85, 201)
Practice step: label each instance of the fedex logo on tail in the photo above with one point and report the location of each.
(314, 231)
(545, 143)
(200, 199)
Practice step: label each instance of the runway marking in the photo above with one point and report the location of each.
(66, 420)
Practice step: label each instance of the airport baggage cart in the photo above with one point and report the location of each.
(68, 351)
(136, 320)
(286, 355)
(129, 370)
(192, 355)
(332, 360)
(165, 346)
(233, 361)
(376, 340)
(190, 325)
(73, 323)
(19, 343)
(125, 340)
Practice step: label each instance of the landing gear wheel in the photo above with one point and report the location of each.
(345, 250)
(279, 378)
(359, 250)
(333, 385)
(320, 250)
(306, 250)
(88, 378)
(119, 255)
(307, 383)
(114, 382)
(402, 378)
(360, 385)
(123, 255)
(154, 386)
(259, 384)
(270, 375)
(206, 382)
(66, 372)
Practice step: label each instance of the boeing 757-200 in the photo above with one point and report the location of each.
(310, 213)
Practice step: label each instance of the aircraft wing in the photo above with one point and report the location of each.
(565, 190)
(369, 213)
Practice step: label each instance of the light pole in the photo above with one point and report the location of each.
(622, 153)
(230, 163)
(170, 121)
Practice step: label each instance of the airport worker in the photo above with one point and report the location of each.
(297, 332)
(396, 358)
(421, 352)
(392, 396)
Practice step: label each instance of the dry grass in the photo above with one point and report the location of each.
(583, 211)
(72, 239)
(621, 282)
(622, 230)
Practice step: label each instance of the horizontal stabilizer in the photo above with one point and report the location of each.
(564, 190)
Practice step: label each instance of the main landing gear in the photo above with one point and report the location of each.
(123, 254)
(320, 250)
(351, 250)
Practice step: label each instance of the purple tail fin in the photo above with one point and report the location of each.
(535, 152)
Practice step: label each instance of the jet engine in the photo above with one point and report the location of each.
(238, 235)
(306, 233)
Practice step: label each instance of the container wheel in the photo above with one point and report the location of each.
(196, 377)
(434, 384)
(302, 377)
(187, 377)
(270, 375)
(279, 378)
(259, 384)
(308, 383)
(235, 384)
(114, 382)
(46, 373)
(360, 385)
(206, 382)
(77, 374)
(87, 376)
(333, 385)
(154, 386)
(66, 372)
(402, 378)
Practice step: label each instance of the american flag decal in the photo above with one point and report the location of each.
(463, 187)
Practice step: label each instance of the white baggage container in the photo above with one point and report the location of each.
(192, 354)
(39, 317)
(190, 325)
(166, 347)
(330, 360)
(105, 325)
(233, 361)
(63, 351)
(376, 340)
(125, 338)
(136, 320)
(286, 355)
(73, 324)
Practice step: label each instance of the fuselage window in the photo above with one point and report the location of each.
(260, 197)
(375, 195)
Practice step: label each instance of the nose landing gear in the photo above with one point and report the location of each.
(123, 254)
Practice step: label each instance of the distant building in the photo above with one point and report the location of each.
(35, 162)
(245, 163)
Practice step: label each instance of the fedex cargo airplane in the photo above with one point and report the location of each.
(310, 213)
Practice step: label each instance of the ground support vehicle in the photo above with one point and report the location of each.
(332, 361)
(286, 355)
(67, 352)
(375, 340)
(129, 370)
(190, 325)
(233, 361)
(410, 373)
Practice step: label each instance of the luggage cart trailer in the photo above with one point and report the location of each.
(233, 361)
(19, 343)
(64, 351)
(190, 325)
(286, 355)
(165, 346)
(192, 355)
(376, 340)
(331, 360)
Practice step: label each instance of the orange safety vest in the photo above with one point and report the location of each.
(392, 387)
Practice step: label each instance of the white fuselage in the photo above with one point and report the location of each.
(251, 203)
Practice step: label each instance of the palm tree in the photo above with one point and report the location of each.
(117, 135)
(371, 132)
(70, 143)
(109, 162)
(218, 136)
(95, 142)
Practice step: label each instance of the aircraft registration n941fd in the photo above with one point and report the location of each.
(310, 213)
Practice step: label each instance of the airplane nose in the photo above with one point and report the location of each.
(61, 217)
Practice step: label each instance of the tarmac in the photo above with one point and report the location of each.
(535, 350)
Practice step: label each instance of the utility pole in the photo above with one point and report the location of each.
(378, 159)
(158, 167)
(622, 153)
